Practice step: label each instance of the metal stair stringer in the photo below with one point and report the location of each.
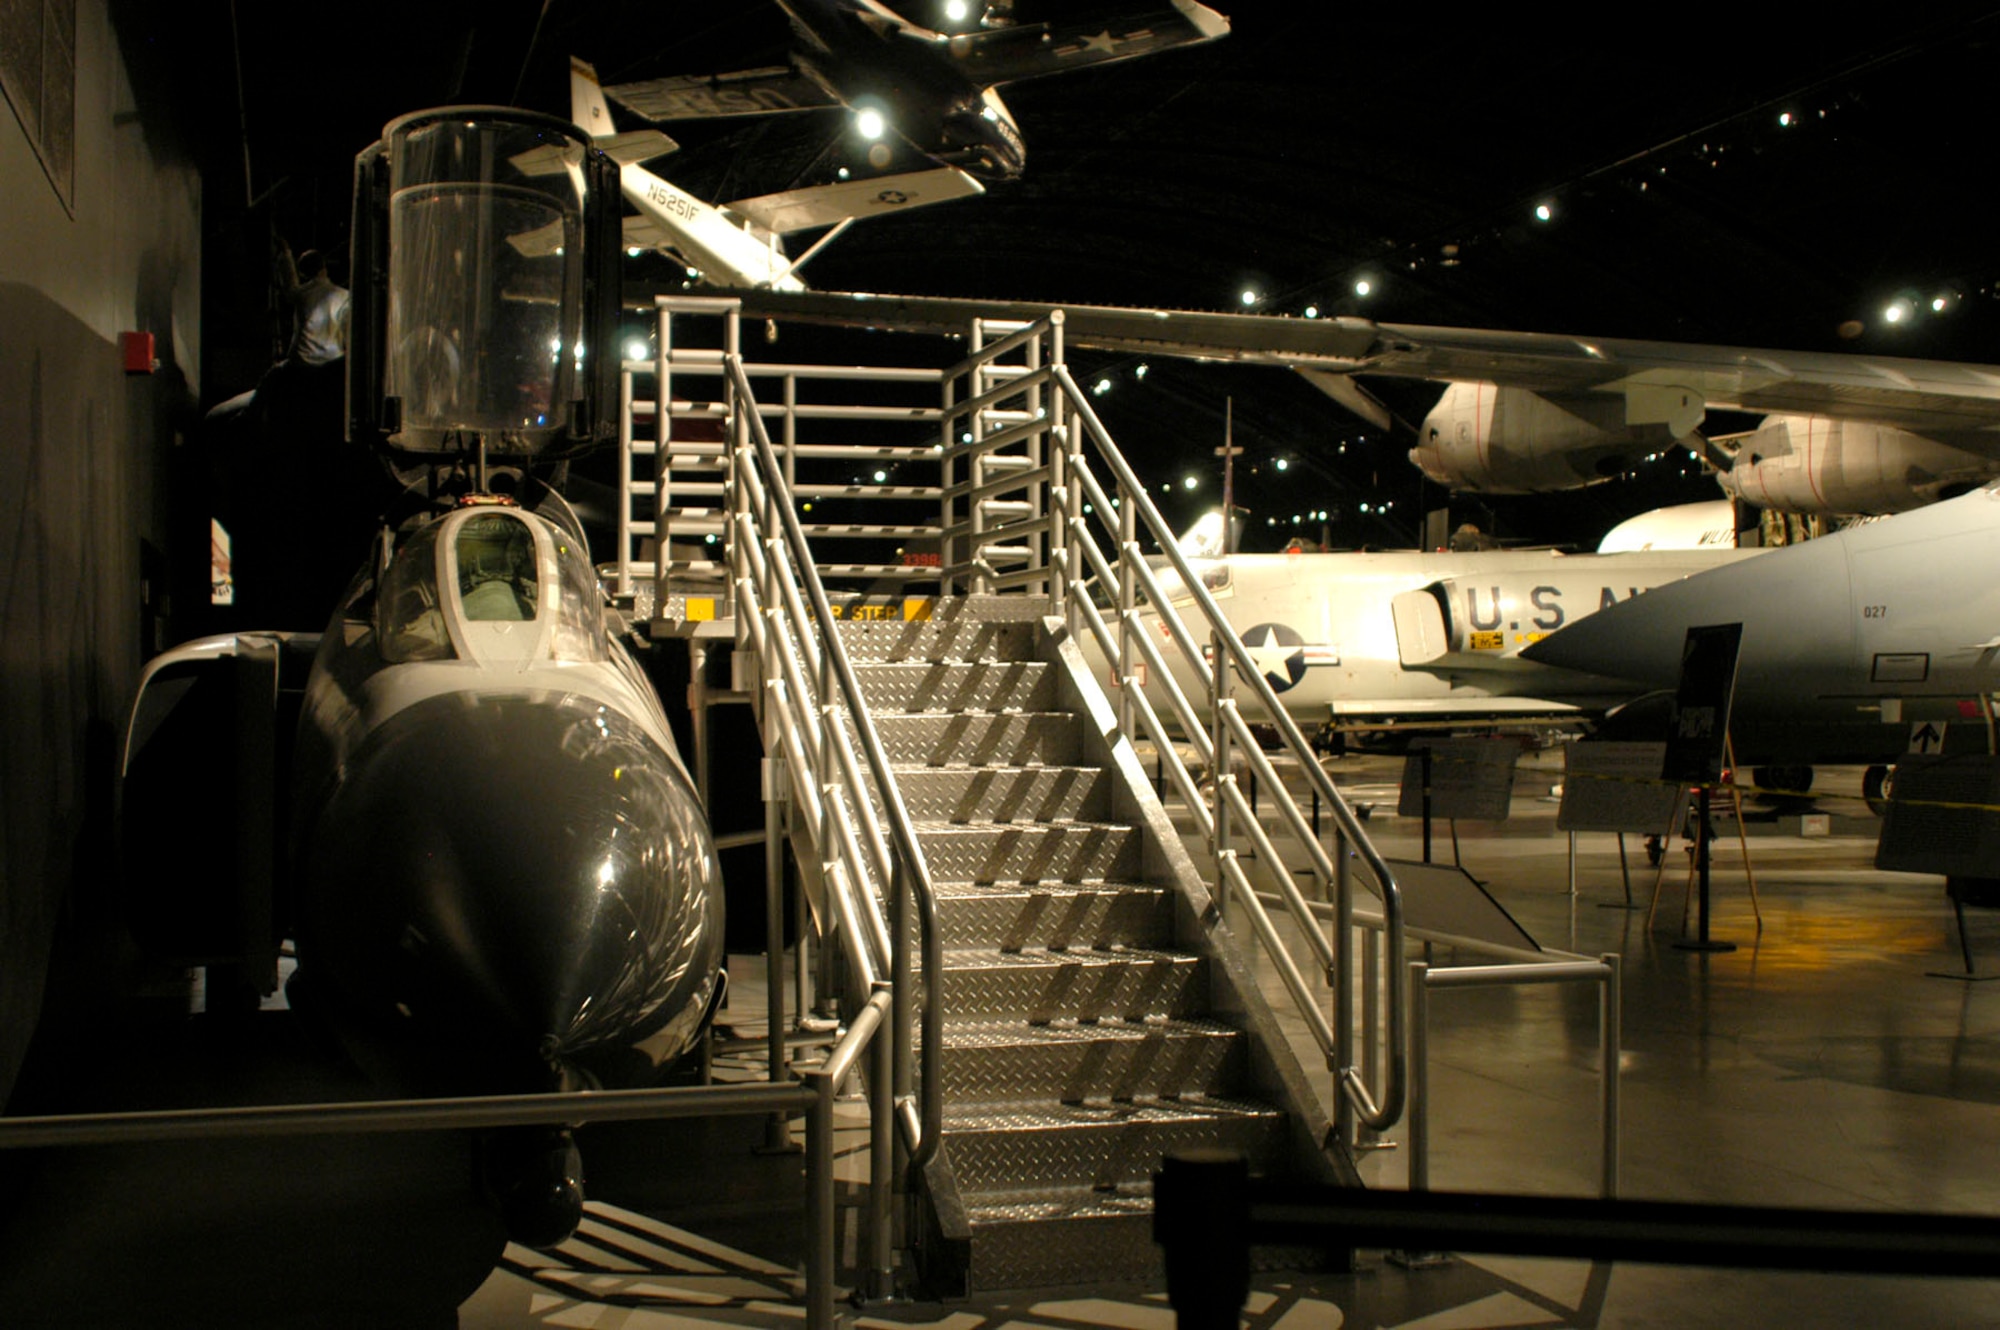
(1096, 1012)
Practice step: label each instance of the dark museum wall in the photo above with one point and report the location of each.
(100, 234)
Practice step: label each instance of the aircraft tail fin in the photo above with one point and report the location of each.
(587, 106)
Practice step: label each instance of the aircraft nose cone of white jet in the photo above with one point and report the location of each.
(506, 890)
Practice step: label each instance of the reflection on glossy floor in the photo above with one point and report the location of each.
(1816, 1065)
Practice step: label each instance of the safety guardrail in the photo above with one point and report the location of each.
(784, 616)
(813, 1094)
(1048, 404)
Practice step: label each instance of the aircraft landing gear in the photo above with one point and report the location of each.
(534, 1176)
(1875, 788)
(1795, 780)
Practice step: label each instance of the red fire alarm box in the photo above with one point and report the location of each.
(137, 348)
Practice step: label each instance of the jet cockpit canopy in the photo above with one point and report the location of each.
(493, 585)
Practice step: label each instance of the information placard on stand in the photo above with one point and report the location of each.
(1469, 778)
(1618, 787)
(1943, 817)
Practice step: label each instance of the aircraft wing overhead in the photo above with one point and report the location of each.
(1002, 55)
(1916, 394)
(773, 90)
(642, 232)
(825, 205)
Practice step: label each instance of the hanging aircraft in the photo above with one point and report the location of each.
(737, 244)
(1403, 639)
(937, 91)
(1852, 643)
(1709, 524)
(1842, 434)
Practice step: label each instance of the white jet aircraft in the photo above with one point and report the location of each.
(1372, 641)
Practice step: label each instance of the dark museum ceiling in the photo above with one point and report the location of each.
(1733, 174)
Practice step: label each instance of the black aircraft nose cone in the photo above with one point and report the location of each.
(510, 889)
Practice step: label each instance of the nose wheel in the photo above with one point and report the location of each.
(534, 1177)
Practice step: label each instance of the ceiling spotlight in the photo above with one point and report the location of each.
(1282, 463)
(1895, 312)
(1249, 296)
(842, 173)
(633, 251)
(870, 123)
(1543, 212)
(1189, 482)
(955, 10)
(1101, 387)
(1312, 311)
(1363, 287)
(635, 350)
(1938, 304)
(1784, 119)
(881, 476)
(1140, 372)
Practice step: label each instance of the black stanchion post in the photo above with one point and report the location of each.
(1702, 837)
(1426, 751)
(1201, 1220)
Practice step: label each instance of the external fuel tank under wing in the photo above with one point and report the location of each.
(504, 879)
(1848, 641)
(1365, 641)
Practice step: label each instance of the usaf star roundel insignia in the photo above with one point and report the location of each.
(1279, 654)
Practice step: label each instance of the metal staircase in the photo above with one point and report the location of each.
(1081, 1041)
(975, 830)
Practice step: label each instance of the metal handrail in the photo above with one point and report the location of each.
(1135, 501)
(908, 881)
(1075, 556)
(813, 1094)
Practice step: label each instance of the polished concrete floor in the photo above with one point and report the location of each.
(1818, 1064)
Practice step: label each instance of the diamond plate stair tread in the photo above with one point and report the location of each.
(1061, 1203)
(1005, 794)
(1015, 1062)
(1047, 985)
(919, 686)
(1072, 1236)
(1001, 738)
(1023, 852)
(1014, 915)
(935, 640)
(1018, 1119)
(1025, 1148)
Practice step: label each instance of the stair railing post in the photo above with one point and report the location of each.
(1068, 495)
(975, 466)
(1342, 981)
(1128, 596)
(882, 1162)
(624, 583)
(663, 349)
(1419, 1082)
(1221, 777)
(1037, 449)
(948, 545)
